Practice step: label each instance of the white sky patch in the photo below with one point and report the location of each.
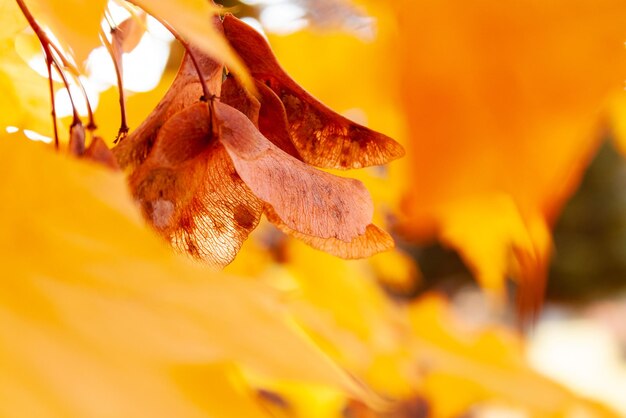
(62, 102)
(117, 13)
(339, 14)
(35, 136)
(288, 16)
(156, 29)
(142, 68)
(583, 355)
(38, 63)
(283, 18)
(32, 135)
(100, 69)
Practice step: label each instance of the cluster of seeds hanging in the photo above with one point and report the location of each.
(215, 155)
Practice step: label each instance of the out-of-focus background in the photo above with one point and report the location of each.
(512, 114)
(580, 336)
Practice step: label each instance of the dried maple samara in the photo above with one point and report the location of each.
(204, 169)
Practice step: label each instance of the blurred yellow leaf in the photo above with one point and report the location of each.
(420, 351)
(75, 23)
(463, 367)
(193, 20)
(301, 401)
(356, 78)
(11, 19)
(24, 92)
(503, 103)
(397, 271)
(219, 389)
(98, 316)
(527, 240)
(499, 105)
(350, 317)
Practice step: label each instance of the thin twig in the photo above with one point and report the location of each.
(75, 117)
(50, 61)
(206, 94)
(53, 113)
(76, 74)
(121, 133)
(109, 18)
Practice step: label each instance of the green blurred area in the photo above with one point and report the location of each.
(590, 236)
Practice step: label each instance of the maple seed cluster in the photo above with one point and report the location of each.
(205, 172)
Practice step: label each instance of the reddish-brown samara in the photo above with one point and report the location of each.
(204, 172)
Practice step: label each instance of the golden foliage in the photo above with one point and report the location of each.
(512, 132)
(190, 18)
(500, 107)
(420, 351)
(98, 308)
(23, 90)
(75, 26)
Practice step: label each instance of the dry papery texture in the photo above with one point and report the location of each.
(322, 137)
(204, 171)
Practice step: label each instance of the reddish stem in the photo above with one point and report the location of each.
(121, 133)
(53, 113)
(206, 94)
(50, 60)
(75, 73)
